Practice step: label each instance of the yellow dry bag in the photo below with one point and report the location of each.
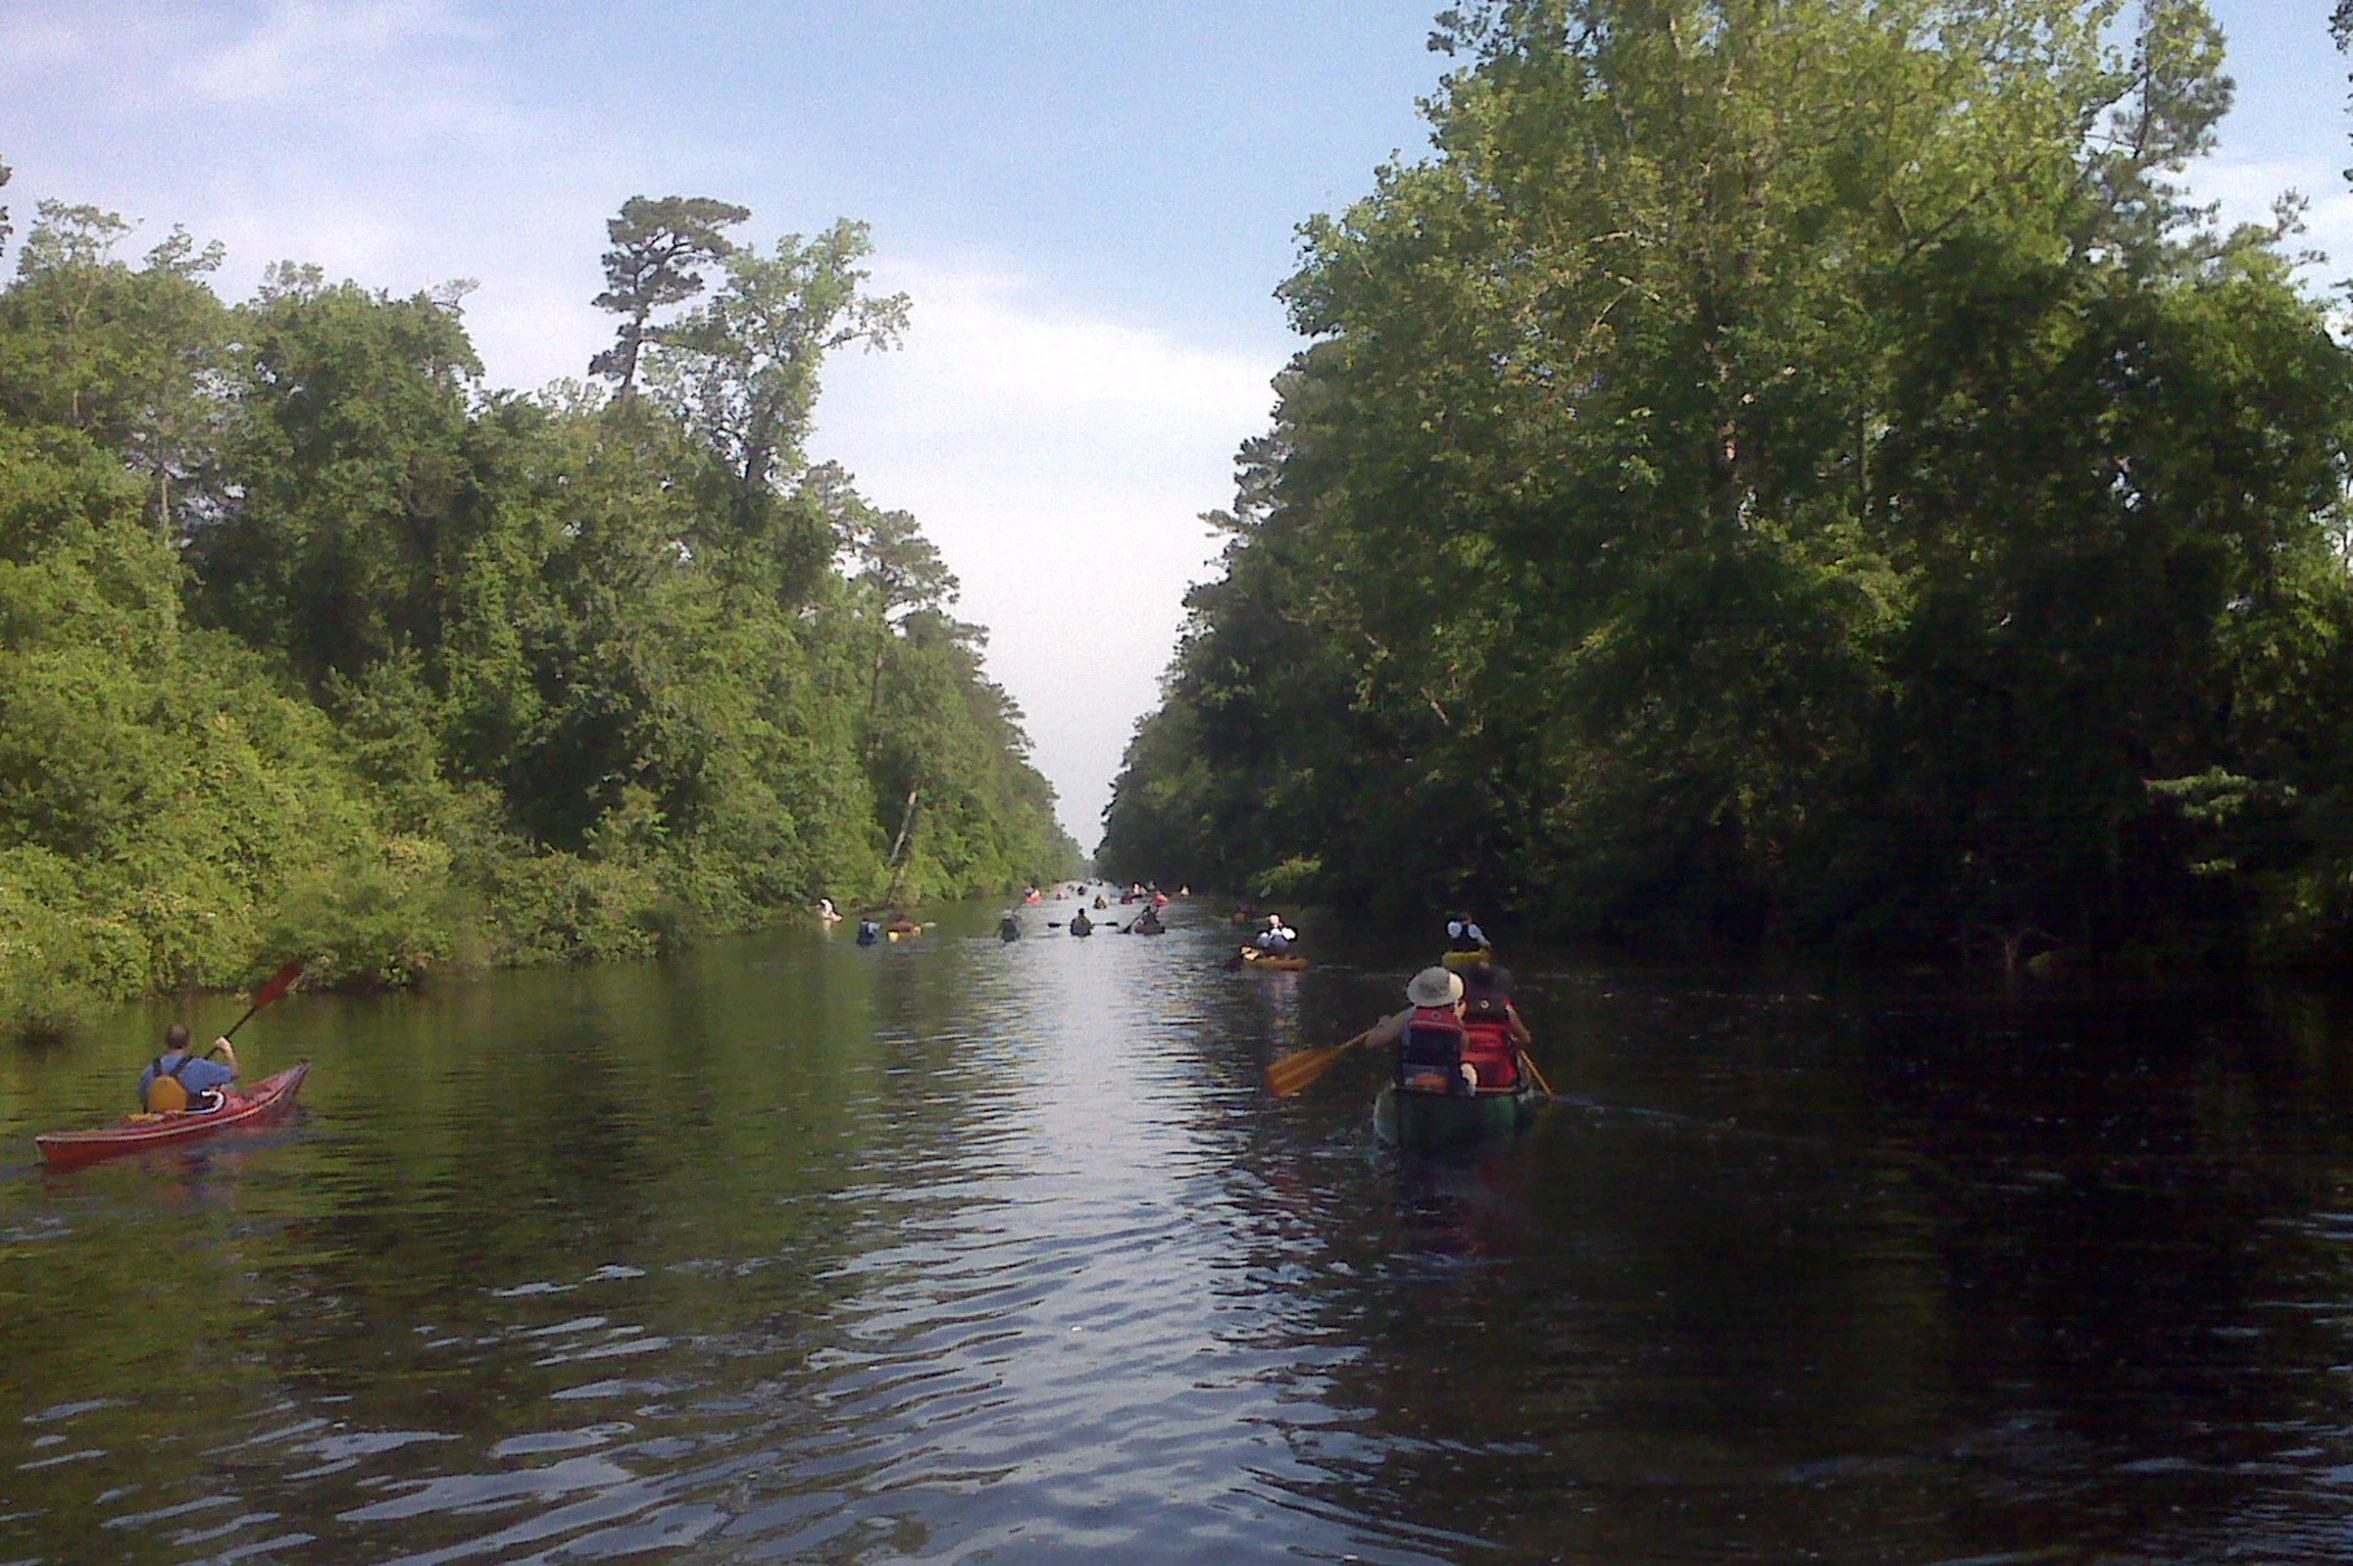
(166, 1093)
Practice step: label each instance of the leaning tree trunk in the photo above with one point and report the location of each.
(906, 824)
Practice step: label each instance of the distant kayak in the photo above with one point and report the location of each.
(258, 1105)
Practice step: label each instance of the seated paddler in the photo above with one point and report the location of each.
(1464, 935)
(1493, 1034)
(1275, 940)
(1431, 1042)
(177, 1080)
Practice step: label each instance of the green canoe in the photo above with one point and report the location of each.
(1433, 1122)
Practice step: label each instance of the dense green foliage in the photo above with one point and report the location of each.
(311, 645)
(1787, 469)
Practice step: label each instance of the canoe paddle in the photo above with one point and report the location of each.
(1293, 1072)
(280, 983)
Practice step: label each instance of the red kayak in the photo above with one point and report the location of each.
(257, 1105)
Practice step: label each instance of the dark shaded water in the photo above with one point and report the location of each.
(789, 1251)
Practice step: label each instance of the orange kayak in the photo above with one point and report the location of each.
(257, 1105)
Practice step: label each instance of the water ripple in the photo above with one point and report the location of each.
(787, 1251)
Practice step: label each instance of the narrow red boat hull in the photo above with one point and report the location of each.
(257, 1105)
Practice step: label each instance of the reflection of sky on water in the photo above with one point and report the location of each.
(790, 1250)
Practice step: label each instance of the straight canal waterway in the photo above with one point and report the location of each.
(957, 1251)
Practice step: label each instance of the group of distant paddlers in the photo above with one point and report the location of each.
(891, 926)
(894, 925)
(1146, 923)
(1461, 1072)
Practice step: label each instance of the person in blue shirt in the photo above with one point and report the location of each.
(195, 1077)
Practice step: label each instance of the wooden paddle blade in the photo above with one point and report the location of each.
(1294, 1072)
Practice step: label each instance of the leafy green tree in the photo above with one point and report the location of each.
(657, 246)
(157, 790)
(350, 493)
(899, 571)
(128, 356)
(742, 370)
(1775, 469)
(310, 643)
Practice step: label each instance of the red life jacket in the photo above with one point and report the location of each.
(1488, 1047)
(1431, 1050)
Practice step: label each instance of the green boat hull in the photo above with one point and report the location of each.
(1434, 1122)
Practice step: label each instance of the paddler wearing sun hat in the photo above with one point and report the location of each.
(1429, 1035)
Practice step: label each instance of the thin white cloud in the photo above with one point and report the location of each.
(2246, 188)
(1060, 460)
(30, 43)
(305, 45)
(991, 336)
(344, 75)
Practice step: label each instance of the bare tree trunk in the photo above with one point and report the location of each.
(874, 701)
(906, 825)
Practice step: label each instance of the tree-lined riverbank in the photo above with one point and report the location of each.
(311, 643)
(1801, 472)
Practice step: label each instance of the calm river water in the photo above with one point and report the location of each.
(954, 1251)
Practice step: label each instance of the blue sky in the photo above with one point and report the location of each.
(1091, 204)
